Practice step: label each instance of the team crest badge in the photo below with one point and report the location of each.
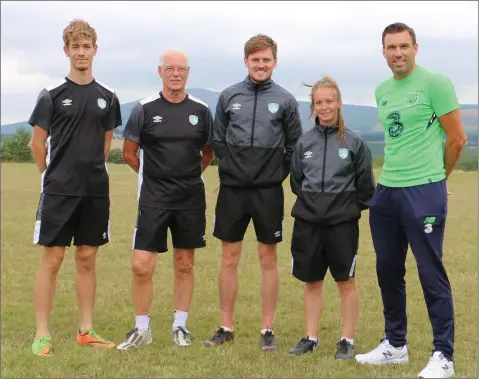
(193, 119)
(411, 98)
(343, 153)
(102, 103)
(273, 107)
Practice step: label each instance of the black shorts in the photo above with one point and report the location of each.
(235, 208)
(61, 218)
(315, 248)
(187, 229)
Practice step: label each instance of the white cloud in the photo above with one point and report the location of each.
(467, 94)
(342, 39)
(16, 82)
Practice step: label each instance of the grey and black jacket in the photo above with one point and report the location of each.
(333, 180)
(255, 130)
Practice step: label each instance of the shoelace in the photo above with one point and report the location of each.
(131, 332)
(343, 346)
(181, 332)
(268, 338)
(305, 341)
(44, 340)
(91, 332)
(218, 335)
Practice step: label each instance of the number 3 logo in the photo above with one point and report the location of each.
(427, 228)
(395, 127)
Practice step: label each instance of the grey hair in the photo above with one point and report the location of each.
(173, 50)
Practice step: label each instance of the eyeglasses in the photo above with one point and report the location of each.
(170, 69)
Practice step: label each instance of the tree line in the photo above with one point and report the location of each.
(15, 149)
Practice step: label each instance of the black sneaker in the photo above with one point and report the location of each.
(221, 336)
(345, 350)
(268, 341)
(304, 346)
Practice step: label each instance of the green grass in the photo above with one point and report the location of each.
(114, 312)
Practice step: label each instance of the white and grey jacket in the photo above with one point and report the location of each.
(333, 180)
(255, 130)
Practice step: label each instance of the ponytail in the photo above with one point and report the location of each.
(341, 127)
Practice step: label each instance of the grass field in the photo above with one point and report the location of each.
(114, 313)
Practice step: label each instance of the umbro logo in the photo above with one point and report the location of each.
(157, 118)
(308, 154)
(67, 102)
(236, 106)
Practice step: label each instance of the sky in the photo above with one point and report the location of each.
(340, 39)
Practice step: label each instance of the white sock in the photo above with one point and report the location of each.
(143, 322)
(263, 331)
(315, 339)
(180, 319)
(350, 340)
(226, 329)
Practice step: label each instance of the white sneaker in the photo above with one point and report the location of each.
(136, 338)
(438, 367)
(385, 353)
(181, 336)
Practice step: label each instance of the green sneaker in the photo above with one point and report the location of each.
(42, 347)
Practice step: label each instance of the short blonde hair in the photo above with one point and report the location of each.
(77, 29)
(260, 42)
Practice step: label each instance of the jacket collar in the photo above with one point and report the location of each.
(322, 129)
(261, 86)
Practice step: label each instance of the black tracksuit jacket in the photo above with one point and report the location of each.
(333, 180)
(255, 130)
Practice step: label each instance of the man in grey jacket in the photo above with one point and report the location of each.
(255, 130)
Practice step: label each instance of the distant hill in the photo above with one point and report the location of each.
(362, 119)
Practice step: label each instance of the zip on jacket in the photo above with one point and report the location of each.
(333, 180)
(255, 130)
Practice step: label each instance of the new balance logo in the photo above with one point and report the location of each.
(67, 102)
(204, 237)
(277, 234)
(236, 106)
(387, 354)
(308, 154)
(445, 367)
(104, 236)
(157, 118)
(384, 103)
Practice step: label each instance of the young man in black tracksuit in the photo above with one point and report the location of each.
(331, 175)
(256, 127)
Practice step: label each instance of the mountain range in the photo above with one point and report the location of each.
(362, 119)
